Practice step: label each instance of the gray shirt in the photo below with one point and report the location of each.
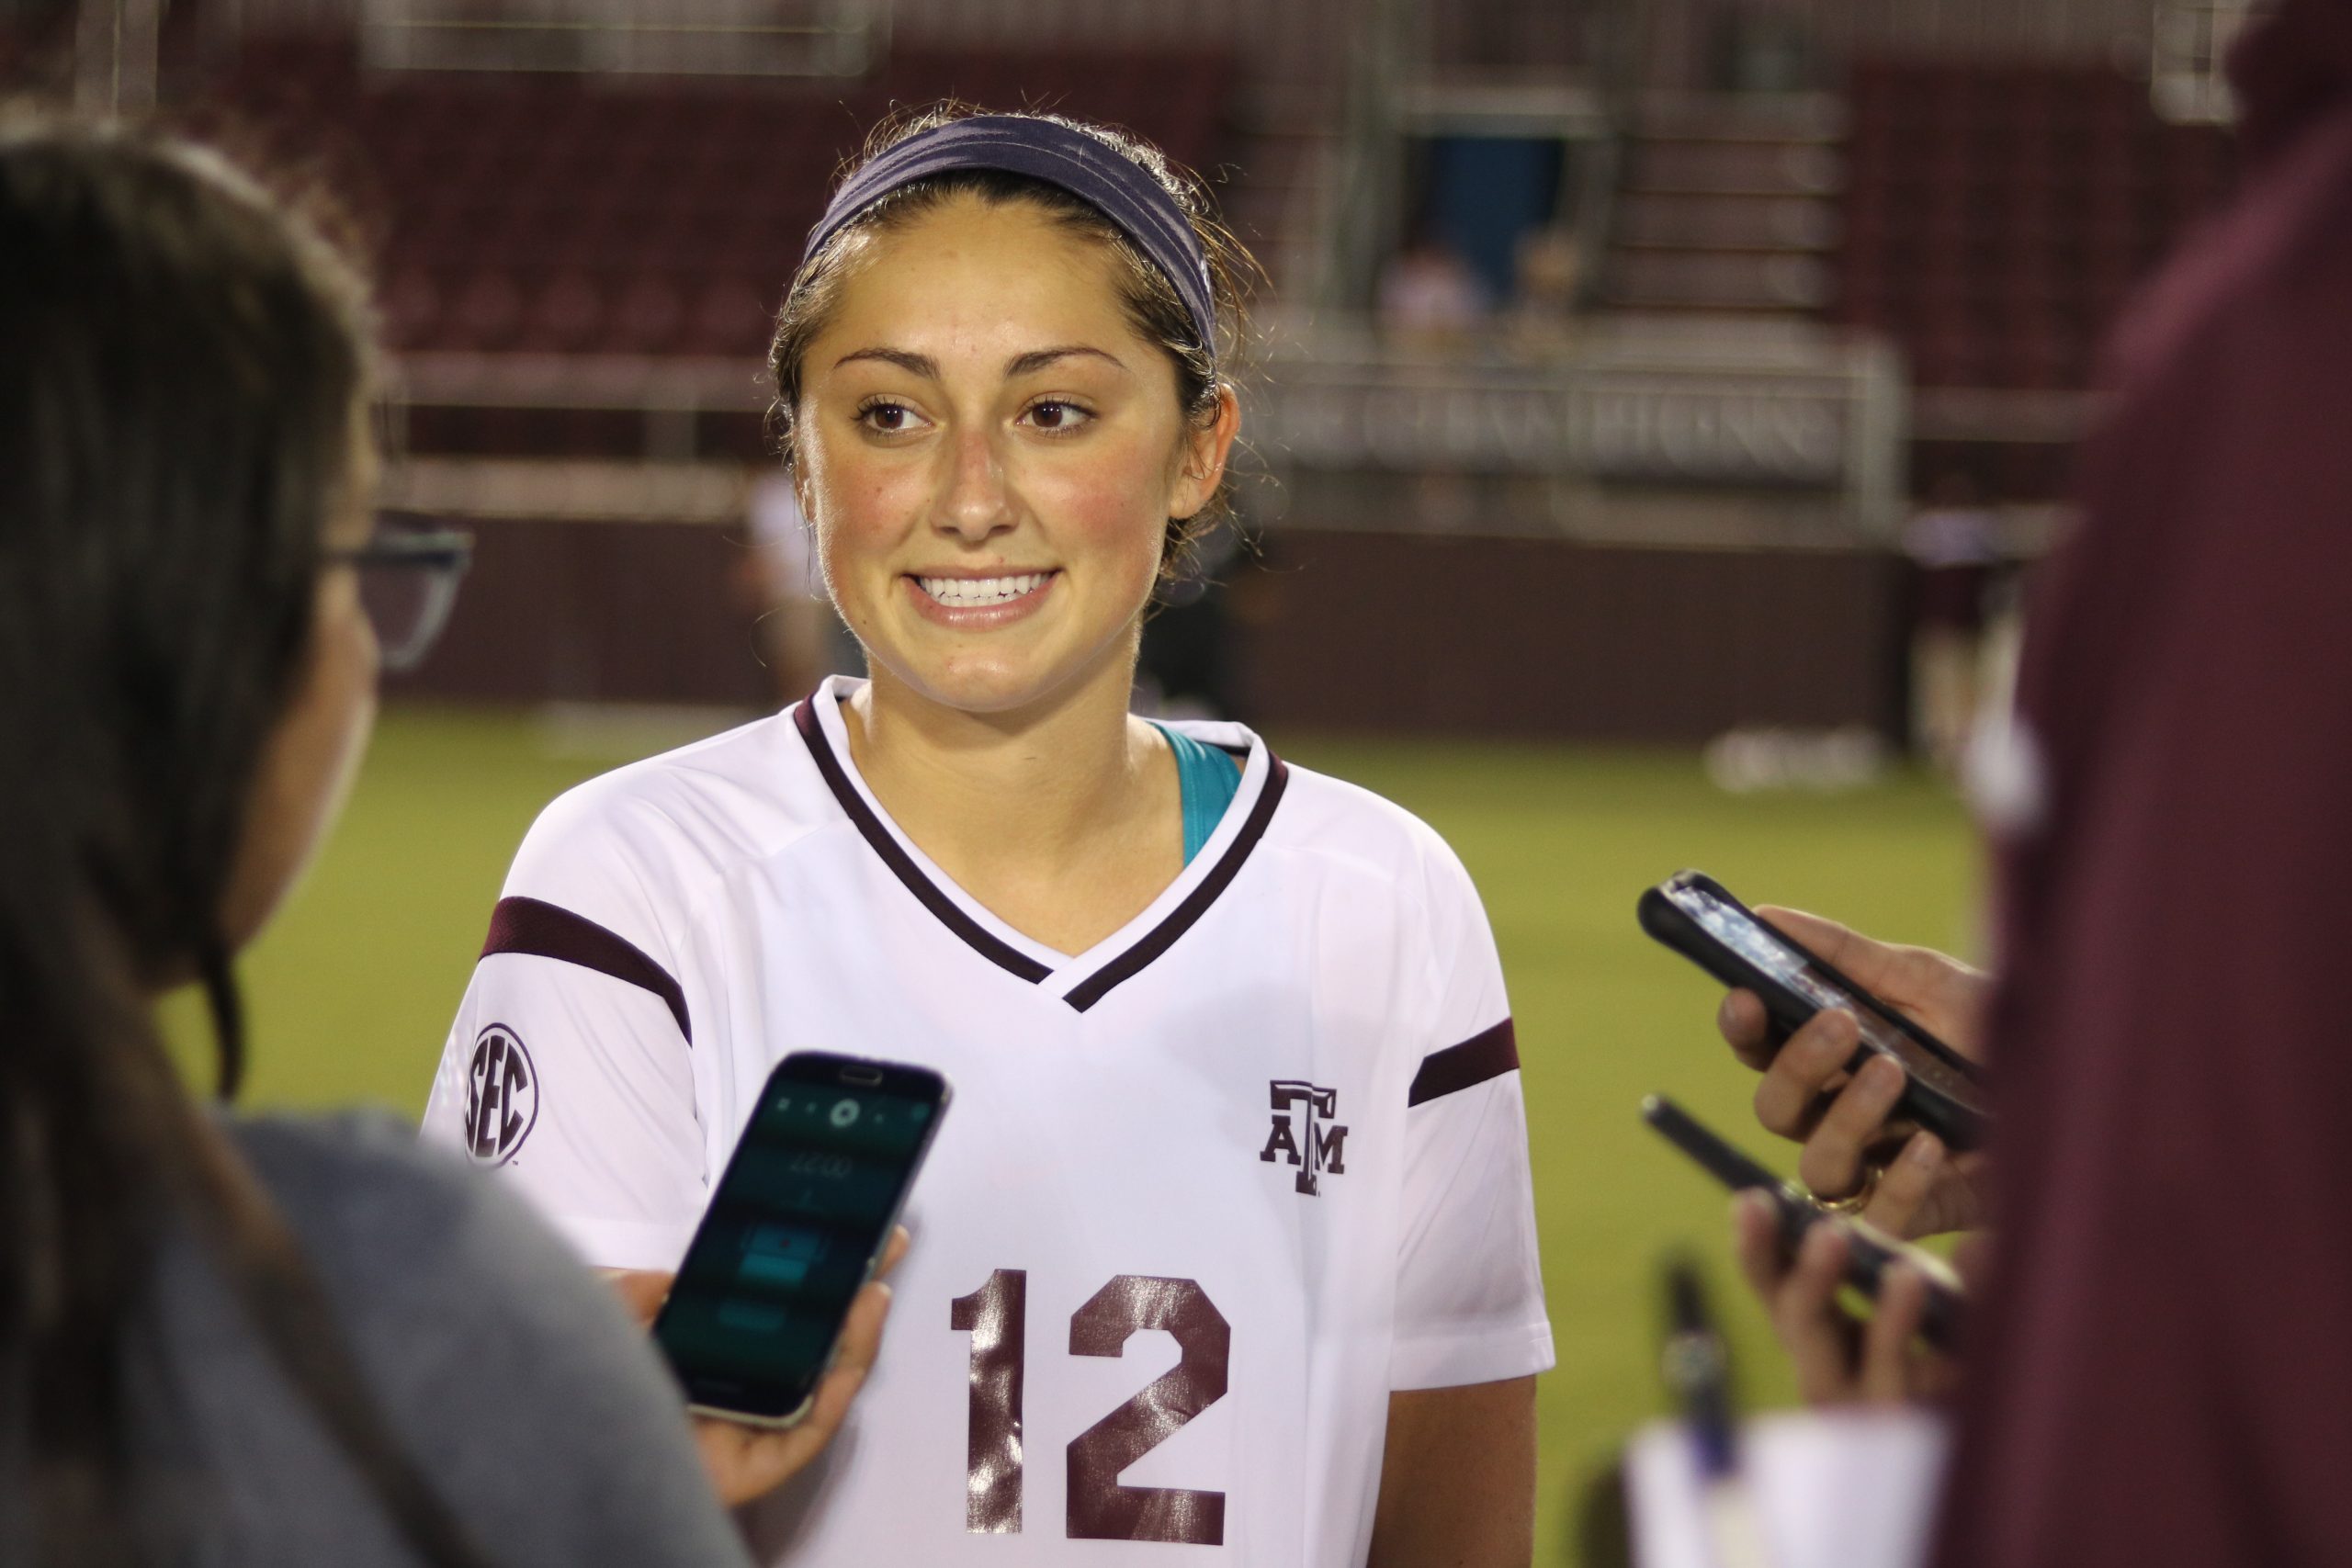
(538, 1412)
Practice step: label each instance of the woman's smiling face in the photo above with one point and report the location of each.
(990, 454)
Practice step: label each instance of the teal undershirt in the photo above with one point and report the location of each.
(1207, 779)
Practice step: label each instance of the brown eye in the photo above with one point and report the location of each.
(889, 419)
(1056, 417)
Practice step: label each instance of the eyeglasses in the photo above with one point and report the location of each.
(408, 581)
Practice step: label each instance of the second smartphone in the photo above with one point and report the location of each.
(796, 1226)
(1868, 1250)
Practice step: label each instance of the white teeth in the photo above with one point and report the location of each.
(969, 590)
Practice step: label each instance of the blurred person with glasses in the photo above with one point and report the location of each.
(409, 575)
(228, 1338)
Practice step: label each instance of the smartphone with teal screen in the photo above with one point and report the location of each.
(796, 1226)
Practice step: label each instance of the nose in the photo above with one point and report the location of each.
(975, 502)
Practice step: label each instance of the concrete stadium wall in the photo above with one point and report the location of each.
(598, 612)
(1410, 634)
(1388, 633)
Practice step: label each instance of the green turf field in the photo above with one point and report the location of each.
(350, 993)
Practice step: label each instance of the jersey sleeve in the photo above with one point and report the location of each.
(1470, 1290)
(570, 1067)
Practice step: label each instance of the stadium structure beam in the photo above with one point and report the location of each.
(114, 55)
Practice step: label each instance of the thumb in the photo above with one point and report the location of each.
(1908, 1184)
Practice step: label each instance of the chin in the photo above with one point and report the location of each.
(991, 683)
(987, 690)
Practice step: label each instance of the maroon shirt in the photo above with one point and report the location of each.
(2163, 1367)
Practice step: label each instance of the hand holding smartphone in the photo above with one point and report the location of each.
(1870, 1251)
(797, 1224)
(1943, 1090)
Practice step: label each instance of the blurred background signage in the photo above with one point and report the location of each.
(1826, 419)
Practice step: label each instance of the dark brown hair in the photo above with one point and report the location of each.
(1153, 307)
(182, 363)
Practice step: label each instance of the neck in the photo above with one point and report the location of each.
(1044, 785)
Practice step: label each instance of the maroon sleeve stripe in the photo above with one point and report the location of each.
(543, 931)
(1486, 1054)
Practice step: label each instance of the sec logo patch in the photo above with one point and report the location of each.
(501, 1095)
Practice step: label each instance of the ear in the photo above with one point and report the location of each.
(801, 491)
(1206, 449)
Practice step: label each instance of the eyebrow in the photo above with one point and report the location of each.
(927, 367)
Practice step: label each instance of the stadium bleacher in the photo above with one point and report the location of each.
(1995, 215)
(570, 215)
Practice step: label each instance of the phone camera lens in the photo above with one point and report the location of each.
(844, 1112)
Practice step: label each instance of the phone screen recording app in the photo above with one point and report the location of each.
(785, 1245)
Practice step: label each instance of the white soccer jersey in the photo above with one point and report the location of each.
(1208, 1191)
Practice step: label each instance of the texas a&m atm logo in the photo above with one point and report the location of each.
(501, 1095)
(1305, 1134)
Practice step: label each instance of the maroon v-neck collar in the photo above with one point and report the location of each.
(1115, 971)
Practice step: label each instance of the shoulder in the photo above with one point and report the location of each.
(635, 849)
(388, 1221)
(503, 1359)
(1345, 823)
(2247, 289)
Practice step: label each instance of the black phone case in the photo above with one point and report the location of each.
(1868, 1251)
(1960, 1126)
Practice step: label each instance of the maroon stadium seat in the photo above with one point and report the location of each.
(1996, 214)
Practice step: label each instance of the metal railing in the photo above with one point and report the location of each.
(2191, 45)
(1699, 44)
(814, 37)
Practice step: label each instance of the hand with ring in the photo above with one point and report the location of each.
(1858, 1156)
(1857, 1202)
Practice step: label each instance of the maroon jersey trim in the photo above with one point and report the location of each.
(1490, 1054)
(1002, 955)
(544, 930)
(1125, 966)
(1162, 937)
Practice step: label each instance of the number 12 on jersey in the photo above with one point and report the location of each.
(996, 1316)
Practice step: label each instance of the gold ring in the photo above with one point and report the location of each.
(1854, 1202)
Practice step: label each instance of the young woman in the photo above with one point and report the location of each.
(257, 1341)
(1229, 1239)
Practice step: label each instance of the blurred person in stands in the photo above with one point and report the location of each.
(800, 633)
(2157, 1372)
(1232, 1054)
(260, 1340)
(1547, 272)
(1954, 545)
(1430, 297)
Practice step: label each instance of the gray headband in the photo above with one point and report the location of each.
(1089, 169)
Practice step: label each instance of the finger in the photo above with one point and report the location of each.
(1817, 1335)
(1885, 1375)
(641, 1291)
(1756, 1242)
(860, 1337)
(1908, 977)
(852, 1359)
(1745, 1027)
(1831, 1163)
(1877, 964)
(1787, 1096)
(893, 1250)
(1903, 1192)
